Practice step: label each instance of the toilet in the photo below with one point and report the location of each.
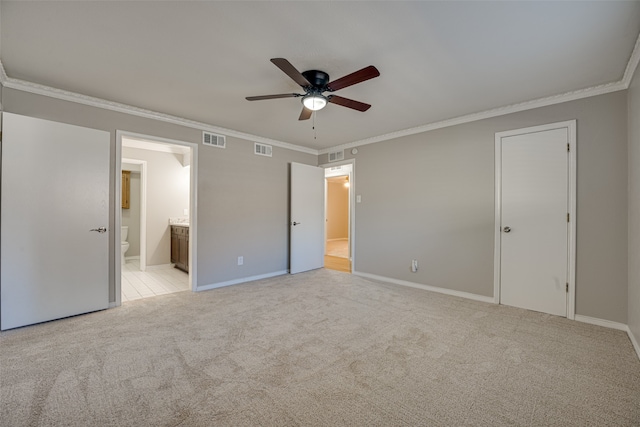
(124, 231)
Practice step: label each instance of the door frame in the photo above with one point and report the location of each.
(193, 204)
(352, 206)
(570, 126)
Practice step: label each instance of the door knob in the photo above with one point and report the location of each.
(507, 229)
(295, 223)
(100, 230)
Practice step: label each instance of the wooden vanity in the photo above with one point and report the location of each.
(180, 246)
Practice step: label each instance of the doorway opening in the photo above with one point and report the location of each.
(338, 189)
(156, 197)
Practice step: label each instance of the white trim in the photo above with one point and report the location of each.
(602, 89)
(444, 291)
(634, 342)
(64, 95)
(570, 125)
(634, 59)
(241, 280)
(117, 262)
(193, 204)
(133, 257)
(601, 322)
(612, 325)
(143, 208)
(3, 75)
(352, 206)
(500, 111)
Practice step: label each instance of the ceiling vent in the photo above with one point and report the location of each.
(214, 140)
(336, 155)
(262, 149)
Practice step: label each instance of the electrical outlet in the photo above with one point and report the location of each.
(414, 265)
(240, 260)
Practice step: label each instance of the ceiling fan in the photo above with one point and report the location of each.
(315, 83)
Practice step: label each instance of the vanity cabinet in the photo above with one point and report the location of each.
(180, 247)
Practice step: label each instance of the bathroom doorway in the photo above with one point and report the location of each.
(338, 185)
(156, 195)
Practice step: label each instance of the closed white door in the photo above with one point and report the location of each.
(534, 220)
(55, 191)
(307, 218)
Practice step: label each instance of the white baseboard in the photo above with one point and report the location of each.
(601, 322)
(445, 291)
(127, 258)
(635, 343)
(241, 280)
(612, 325)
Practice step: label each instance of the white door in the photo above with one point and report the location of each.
(307, 218)
(534, 227)
(55, 190)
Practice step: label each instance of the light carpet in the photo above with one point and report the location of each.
(317, 349)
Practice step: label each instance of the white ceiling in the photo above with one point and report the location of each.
(199, 60)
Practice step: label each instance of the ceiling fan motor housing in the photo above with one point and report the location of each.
(318, 79)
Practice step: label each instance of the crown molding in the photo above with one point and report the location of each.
(64, 95)
(3, 74)
(500, 111)
(622, 84)
(632, 65)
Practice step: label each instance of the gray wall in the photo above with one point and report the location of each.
(634, 207)
(167, 196)
(243, 210)
(242, 198)
(439, 209)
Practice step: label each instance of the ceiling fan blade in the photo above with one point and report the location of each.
(349, 103)
(354, 78)
(305, 114)
(282, 95)
(291, 71)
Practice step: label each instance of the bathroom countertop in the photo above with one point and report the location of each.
(180, 222)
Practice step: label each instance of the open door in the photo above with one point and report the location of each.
(55, 214)
(307, 218)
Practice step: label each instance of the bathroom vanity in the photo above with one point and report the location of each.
(180, 246)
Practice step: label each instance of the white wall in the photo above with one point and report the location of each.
(167, 196)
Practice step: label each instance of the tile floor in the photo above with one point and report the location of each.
(138, 284)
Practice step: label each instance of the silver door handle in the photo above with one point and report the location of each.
(295, 223)
(100, 230)
(507, 229)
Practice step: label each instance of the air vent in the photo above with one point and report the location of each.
(336, 155)
(262, 150)
(214, 140)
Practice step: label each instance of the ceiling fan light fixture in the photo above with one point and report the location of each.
(314, 102)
